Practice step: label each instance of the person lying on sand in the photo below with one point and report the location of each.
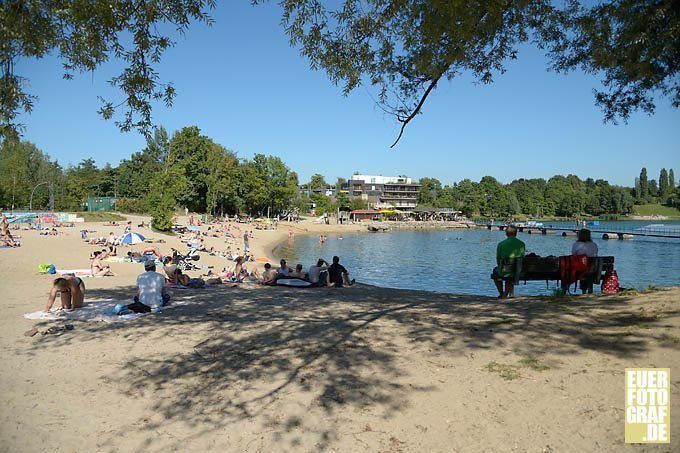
(98, 269)
(136, 257)
(175, 276)
(72, 292)
(152, 251)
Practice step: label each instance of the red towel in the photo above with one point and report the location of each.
(573, 268)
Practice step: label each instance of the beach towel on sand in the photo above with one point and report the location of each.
(100, 310)
(296, 282)
(76, 272)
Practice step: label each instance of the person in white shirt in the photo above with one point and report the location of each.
(112, 240)
(584, 245)
(284, 270)
(151, 291)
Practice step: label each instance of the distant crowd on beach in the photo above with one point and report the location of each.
(163, 270)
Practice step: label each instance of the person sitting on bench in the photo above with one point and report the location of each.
(508, 249)
(584, 245)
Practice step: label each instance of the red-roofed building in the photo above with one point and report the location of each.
(363, 214)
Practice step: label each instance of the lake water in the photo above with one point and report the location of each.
(460, 261)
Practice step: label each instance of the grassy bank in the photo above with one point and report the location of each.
(655, 209)
(101, 216)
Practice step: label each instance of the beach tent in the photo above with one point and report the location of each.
(132, 238)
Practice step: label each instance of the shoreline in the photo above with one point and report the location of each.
(280, 237)
(269, 247)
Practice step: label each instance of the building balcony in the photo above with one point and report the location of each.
(391, 188)
(398, 197)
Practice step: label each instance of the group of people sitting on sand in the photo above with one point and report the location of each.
(152, 287)
(512, 248)
(319, 274)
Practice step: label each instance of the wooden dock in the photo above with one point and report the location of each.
(622, 233)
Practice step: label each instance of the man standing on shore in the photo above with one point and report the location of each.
(510, 248)
(246, 244)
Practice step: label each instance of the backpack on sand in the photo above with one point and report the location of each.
(44, 268)
(610, 282)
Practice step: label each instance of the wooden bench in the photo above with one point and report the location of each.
(539, 268)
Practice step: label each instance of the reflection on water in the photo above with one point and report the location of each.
(460, 261)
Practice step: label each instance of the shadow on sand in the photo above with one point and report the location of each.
(236, 352)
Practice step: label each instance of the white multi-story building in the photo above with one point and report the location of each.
(385, 191)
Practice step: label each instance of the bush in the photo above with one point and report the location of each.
(131, 205)
(161, 218)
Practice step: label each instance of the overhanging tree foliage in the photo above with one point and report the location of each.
(85, 34)
(406, 47)
(402, 47)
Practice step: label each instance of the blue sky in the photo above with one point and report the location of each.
(241, 83)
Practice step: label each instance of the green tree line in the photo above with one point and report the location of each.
(663, 191)
(562, 196)
(188, 169)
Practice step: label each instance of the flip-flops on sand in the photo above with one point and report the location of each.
(54, 330)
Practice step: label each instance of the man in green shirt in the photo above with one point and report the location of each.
(509, 248)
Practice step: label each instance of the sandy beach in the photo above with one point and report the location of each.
(262, 369)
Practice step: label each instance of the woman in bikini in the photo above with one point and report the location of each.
(98, 269)
(72, 292)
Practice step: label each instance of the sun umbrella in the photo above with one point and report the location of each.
(132, 238)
